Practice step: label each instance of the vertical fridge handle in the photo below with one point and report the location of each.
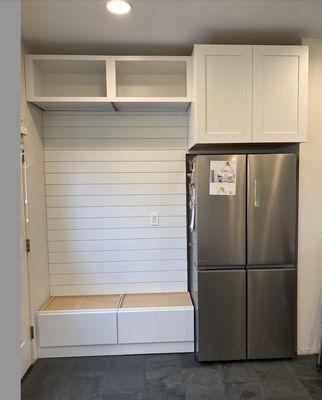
(257, 190)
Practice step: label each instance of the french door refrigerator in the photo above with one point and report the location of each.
(242, 255)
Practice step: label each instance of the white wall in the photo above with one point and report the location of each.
(105, 173)
(310, 212)
(38, 256)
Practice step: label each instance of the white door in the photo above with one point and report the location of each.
(280, 79)
(223, 93)
(25, 341)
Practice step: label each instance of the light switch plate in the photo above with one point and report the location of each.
(154, 218)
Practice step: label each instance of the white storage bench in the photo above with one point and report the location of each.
(116, 324)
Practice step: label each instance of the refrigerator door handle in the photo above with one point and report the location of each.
(257, 191)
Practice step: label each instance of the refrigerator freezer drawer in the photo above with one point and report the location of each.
(221, 315)
(271, 311)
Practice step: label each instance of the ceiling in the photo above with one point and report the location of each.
(165, 26)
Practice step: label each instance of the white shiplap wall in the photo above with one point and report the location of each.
(105, 174)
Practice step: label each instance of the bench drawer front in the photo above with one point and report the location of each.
(155, 326)
(77, 329)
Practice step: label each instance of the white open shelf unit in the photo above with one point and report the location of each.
(124, 83)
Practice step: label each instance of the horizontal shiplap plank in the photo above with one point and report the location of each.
(115, 155)
(95, 119)
(117, 266)
(115, 143)
(115, 190)
(116, 245)
(115, 132)
(114, 212)
(117, 178)
(130, 233)
(118, 288)
(128, 277)
(129, 255)
(113, 223)
(114, 167)
(114, 201)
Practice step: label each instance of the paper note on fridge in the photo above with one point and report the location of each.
(223, 176)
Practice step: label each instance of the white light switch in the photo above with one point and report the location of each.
(154, 218)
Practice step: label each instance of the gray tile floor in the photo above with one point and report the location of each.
(171, 376)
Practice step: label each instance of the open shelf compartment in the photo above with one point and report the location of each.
(67, 77)
(152, 77)
(67, 82)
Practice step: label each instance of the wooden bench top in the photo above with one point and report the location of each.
(111, 301)
(175, 299)
(61, 303)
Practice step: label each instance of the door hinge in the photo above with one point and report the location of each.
(28, 245)
(32, 332)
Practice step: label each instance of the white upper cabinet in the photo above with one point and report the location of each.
(244, 94)
(222, 94)
(280, 83)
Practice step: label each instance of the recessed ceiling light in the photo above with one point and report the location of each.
(118, 6)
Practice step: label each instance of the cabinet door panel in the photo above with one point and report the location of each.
(279, 93)
(224, 93)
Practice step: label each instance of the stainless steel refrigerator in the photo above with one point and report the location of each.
(242, 255)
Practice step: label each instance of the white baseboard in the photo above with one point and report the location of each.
(118, 349)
